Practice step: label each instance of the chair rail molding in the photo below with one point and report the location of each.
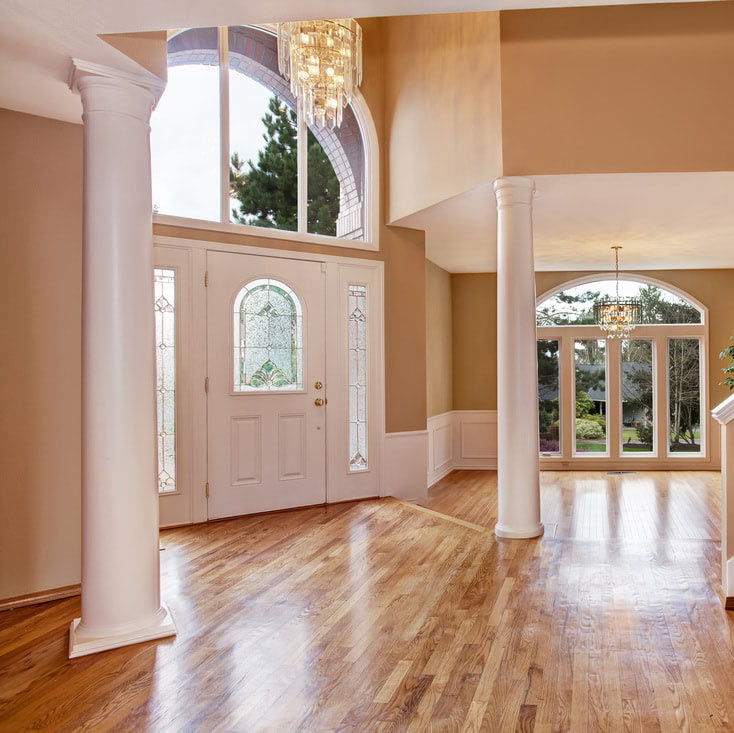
(461, 439)
(724, 415)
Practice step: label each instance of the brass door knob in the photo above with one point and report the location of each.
(318, 385)
(318, 402)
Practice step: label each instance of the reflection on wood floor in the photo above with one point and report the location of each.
(598, 506)
(380, 615)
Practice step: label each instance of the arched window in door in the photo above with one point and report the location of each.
(268, 338)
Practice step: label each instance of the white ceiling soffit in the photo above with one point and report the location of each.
(38, 38)
(663, 221)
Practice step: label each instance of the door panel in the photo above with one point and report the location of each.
(266, 445)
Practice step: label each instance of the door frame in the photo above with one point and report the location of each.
(341, 484)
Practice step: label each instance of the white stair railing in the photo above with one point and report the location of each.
(724, 414)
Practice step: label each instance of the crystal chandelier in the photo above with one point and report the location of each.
(323, 61)
(617, 316)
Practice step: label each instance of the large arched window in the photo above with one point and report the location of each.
(229, 146)
(640, 398)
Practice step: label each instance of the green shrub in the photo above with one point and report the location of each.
(598, 419)
(644, 435)
(588, 430)
(584, 404)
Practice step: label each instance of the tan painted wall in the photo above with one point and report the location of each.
(475, 338)
(148, 49)
(439, 341)
(442, 107)
(474, 298)
(40, 373)
(624, 88)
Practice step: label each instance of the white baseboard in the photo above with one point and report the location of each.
(728, 581)
(465, 439)
(404, 470)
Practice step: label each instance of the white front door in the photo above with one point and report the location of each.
(266, 406)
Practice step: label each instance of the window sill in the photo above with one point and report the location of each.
(251, 231)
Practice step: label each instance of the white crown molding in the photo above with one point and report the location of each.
(80, 68)
(724, 412)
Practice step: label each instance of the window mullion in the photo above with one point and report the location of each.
(302, 175)
(224, 124)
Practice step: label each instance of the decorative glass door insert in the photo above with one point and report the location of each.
(268, 338)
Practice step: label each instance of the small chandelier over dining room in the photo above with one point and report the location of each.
(617, 316)
(323, 61)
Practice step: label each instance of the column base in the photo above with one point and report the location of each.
(519, 533)
(80, 644)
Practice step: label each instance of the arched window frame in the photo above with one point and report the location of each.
(659, 333)
(371, 204)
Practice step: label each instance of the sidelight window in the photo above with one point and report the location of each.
(357, 378)
(165, 352)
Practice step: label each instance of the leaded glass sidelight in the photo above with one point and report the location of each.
(268, 338)
(357, 309)
(165, 341)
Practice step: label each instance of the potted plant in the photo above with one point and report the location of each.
(728, 353)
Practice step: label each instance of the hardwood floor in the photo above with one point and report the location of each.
(385, 616)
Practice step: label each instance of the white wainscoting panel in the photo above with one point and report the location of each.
(440, 446)
(404, 467)
(461, 439)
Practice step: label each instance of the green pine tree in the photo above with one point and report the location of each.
(267, 191)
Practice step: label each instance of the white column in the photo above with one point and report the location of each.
(120, 556)
(517, 370)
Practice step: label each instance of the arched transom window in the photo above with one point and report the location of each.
(639, 398)
(228, 144)
(268, 338)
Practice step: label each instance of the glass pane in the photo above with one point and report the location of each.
(184, 143)
(263, 135)
(637, 397)
(323, 186)
(548, 393)
(684, 395)
(574, 305)
(165, 341)
(357, 377)
(590, 396)
(268, 338)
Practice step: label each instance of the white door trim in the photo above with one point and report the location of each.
(341, 485)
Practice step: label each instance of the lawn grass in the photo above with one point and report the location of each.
(584, 447)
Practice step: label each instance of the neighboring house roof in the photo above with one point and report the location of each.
(630, 388)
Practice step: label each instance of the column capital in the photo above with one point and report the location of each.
(514, 190)
(144, 90)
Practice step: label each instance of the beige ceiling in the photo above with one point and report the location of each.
(663, 221)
